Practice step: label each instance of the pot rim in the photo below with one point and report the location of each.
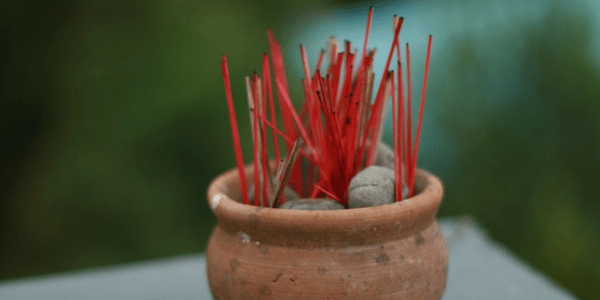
(343, 227)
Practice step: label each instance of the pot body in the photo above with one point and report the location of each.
(394, 251)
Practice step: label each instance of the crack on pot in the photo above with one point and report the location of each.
(278, 276)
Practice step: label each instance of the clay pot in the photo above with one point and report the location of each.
(394, 251)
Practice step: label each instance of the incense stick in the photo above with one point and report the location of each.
(421, 107)
(234, 131)
(287, 170)
(340, 122)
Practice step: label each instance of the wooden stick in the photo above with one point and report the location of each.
(287, 170)
(264, 164)
(253, 126)
(277, 177)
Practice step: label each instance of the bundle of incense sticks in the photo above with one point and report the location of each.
(339, 127)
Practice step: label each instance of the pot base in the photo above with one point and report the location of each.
(240, 268)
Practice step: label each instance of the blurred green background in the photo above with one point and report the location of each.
(113, 122)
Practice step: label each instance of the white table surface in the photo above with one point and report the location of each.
(478, 269)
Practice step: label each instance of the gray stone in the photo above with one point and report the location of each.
(373, 186)
(385, 157)
(312, 204)
(288, 192)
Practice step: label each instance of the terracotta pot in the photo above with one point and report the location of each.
(394, 251)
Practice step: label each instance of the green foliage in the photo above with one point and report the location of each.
(113, 125)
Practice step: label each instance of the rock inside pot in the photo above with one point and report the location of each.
(312, 204)
(385, 157)
(373, 186)
(289, 193)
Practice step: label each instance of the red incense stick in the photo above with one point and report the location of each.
(401, 136)
(423, 90)
(234, 131)
(397, 166)
(409, 166)
(251, 91)
(267, 80)
(339, 123)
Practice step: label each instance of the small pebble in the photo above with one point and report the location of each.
(288, 192)
(312, 204)
(385, 157)
(372, 186)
